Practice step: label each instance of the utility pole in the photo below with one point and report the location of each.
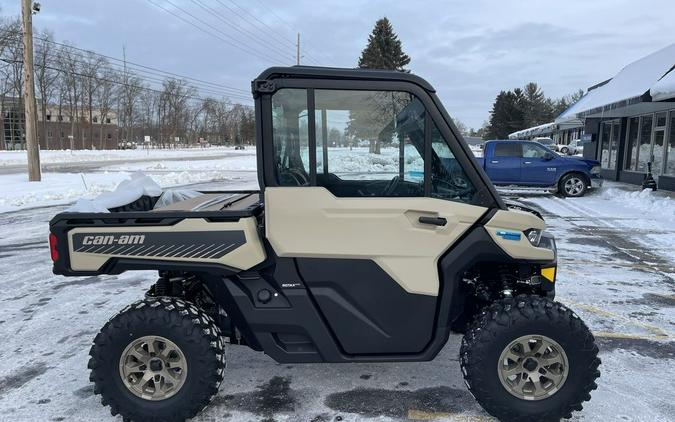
(29, 107)
(297, 51)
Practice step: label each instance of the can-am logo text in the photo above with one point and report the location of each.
(132, 239)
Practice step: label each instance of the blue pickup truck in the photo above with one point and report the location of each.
(531, 164)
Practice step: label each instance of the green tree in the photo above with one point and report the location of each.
(507, 114)
(384, 49)
(537, 109)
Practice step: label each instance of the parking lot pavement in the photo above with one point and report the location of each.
(623, 288)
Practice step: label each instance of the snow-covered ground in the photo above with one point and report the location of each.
(11, 158)
(616, 269)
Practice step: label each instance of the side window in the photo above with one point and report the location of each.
(448, 179)
(369, 143)
(508, 149)
(533, 151)
(290, 134)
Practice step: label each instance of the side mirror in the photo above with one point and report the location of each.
(548, 156)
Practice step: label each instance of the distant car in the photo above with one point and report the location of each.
(126, 145)
(546, 141)
(573, 148)
(237, 147)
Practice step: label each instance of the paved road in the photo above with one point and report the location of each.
(624, 291)
(87, 166)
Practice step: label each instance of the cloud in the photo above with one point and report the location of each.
(469, 50)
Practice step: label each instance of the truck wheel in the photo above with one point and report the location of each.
(573, 185)
(529, 358)
(159, 359)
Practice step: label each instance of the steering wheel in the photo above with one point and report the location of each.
(392, 186)
(457, 185)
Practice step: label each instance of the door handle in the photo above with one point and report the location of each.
(436, 221)
(494, 162)
(528, 162)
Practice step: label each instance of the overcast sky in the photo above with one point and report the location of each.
(469, 50)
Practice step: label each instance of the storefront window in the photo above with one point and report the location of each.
(644, 152)
(614, 144)
(604, 144)
(670, 153)
(631, 145)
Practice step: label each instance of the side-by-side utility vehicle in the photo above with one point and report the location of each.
(374, 235)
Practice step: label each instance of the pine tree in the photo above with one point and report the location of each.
(507, 114)
(384, 49)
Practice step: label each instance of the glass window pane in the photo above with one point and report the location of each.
(657, 152)
(290, 137)
(506, 149)
(605, 133)
(631, 145)
(448, 179)
(670, 160)
(644, 153)
(533, 151)
(375, 143)
(614, 145)
(661, 119)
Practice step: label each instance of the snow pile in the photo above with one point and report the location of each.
(126, 192)
(645, 200)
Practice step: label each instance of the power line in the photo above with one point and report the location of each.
(138, 86)
(149, 68)
(269, 32)
(239, 29)
(234, 44)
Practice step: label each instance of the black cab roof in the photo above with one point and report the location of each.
(318, 72)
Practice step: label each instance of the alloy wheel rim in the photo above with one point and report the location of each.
(153, 368)
(533, 367)
(574, 186)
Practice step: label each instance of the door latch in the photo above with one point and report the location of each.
(436, 221)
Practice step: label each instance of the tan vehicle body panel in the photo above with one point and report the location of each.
(311, 222)
(243, 257)
(516, 220)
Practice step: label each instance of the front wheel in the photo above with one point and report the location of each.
(529, 358)
(160, 359)
(573, 185)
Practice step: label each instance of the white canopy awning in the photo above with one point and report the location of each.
(545, 129)
(627, 87)
(664, 89)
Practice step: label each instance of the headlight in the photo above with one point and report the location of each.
(534, 236)
(595, 170)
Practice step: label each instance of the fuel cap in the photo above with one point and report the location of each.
(264, 295)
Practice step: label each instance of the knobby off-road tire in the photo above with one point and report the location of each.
(498, 326)
(177, 325)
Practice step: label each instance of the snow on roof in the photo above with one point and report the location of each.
(545, 129)
(664, 89)
(631, 83)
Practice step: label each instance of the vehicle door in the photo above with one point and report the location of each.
(365, 192)
(503, 165)
(539, 165)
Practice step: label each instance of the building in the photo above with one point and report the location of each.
(56, 129)
(625, 122)
(629, 121)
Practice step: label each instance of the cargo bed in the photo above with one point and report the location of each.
(210, 229)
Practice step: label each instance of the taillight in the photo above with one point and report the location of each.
(52, 247)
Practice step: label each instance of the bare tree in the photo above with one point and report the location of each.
(46, 78)
(91, 65)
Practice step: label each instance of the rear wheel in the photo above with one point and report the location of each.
(529, 358)
(565, 150)
(160, 359)
(573, 185)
